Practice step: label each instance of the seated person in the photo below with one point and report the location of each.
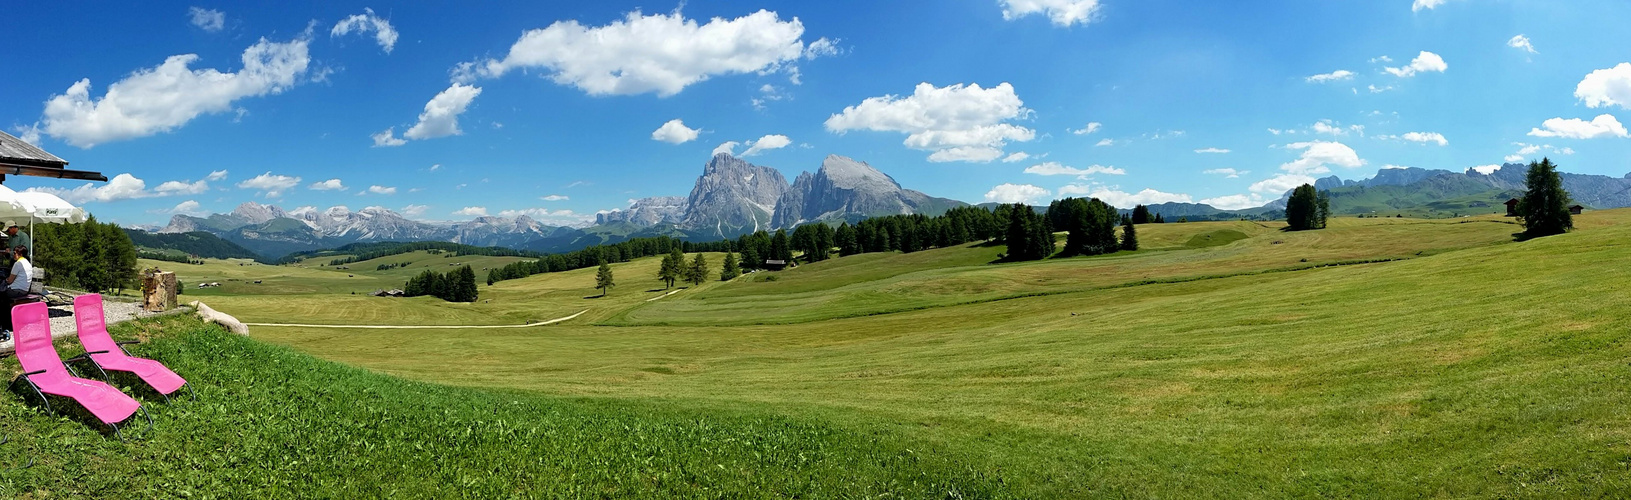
(17, 283)
(15, 237)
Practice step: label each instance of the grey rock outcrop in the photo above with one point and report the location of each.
(733, 197)
(844, 188)
(647, 212)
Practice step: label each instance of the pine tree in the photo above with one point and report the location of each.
(466, 286)
(698, 271)
(672, 268)
(823, 242)
(1019, 231)
(1141, 214)
(603, 278)
(750, 258)
(848, 241)
(1302, 209)
(779, 247)
(730, 271)
(1544, 208)
(1129, 238)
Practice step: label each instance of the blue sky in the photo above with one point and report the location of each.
(560, 109)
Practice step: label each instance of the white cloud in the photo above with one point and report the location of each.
(1606, 87)
(1575, 128)
(766, 143)
(555, 197)
(441, 115)
(1419, 137)
(181, 187)
(956, 122)
(210, 20)
(216, 175)
(1105, 142)
(1123, 199)
(660, 53)
(364, 23)
(1512, 158)
(328, 185)
(1521, 42)
(1060, 12)
(1425, 4)
(414, 210)
(1227, 172)
(1377, 90)
(1055, 168)
(727, 147)
(387, 138)
(1328, 127)
(1090, 128)
(270, 185)
(1318, 155)
(1280, 183)
(675, 132)
(1236, 201)
(547, 216)
(1333, 76)
(121, 187)
(1484, 169)
(1017, 156)
(377, 189)
(188, 207)
(1016, 193)
(167, 96)
(1212, 151)
(1426, 61)
(435, 167)
(1378, 59)
(471, 212)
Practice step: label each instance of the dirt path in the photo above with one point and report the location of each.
(676, 290)
(422, 327)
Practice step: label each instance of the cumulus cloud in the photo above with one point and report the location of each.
(1521, 42)
(659, 53)
(377, 189)
(1236, 201)
(414, 210)
(1484, 169)
(956, 122)
(328, 185)
(766, 143)
(188, 207)
(471, 212)
(1017, 193)
(1090, 128)
(555, 197)
(1280, 183)
(1575, 128)
(441, 115)
(181, 187)
(269, 185)
(1317, 156)
(1212, 150)
(1105, 142)
(1060, 12)
(1017, 156)
(364, 23)
(675, 132)
(167, 96)
(1606, 87)
(1123, 199)
(1328, 127)
(1055, 168)
(1226, 172)
(120, 187)
(1418, 5)
(387, 138)
(1525, 150)
(1425, 137)
(1425, 62)
(216, 175)
(1333, 76)
(727, 147)
(210, 20)
(1377, 90)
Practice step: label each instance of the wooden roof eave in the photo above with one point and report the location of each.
(9, 167)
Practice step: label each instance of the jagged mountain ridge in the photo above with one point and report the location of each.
(271, 231)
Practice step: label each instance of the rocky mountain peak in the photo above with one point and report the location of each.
(733, 195)
(255, 213)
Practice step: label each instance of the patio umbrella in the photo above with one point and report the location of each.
(39, 206)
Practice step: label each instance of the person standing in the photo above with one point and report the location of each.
(22, 271)
(16, 237)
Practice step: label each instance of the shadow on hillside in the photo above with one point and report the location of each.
(66, 407)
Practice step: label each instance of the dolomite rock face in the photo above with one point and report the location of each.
(844, 188)
(733, 197)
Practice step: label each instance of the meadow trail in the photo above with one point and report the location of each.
(424, 327)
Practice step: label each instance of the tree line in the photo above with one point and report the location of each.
(594, 255)
(366, 251)
(90, 256)
(458, 285)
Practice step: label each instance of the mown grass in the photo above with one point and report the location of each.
(274, 423)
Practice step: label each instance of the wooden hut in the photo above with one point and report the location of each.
(1576, 209)
(1512, 207)
(775, 264)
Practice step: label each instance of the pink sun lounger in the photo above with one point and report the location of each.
(107, 355)
(46, 373)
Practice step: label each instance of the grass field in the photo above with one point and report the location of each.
(1377, 358)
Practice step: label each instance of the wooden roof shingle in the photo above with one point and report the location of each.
(14, 150)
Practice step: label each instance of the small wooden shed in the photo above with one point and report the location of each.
(1512, 207)
(1576, 209)
(775, 264)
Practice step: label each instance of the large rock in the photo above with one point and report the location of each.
(647, 212)
(847, 189)
(733, 197)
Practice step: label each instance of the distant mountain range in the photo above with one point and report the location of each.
(732, 197)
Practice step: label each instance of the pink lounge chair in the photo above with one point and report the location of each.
(46, 373)
(106, 354)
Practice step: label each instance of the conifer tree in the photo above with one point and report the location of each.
(1129, 238)
(848, 242)
(673, 267)
(779, 247)
(698, 271)
(730, 270)
(750, 258)
(1141, 214)
(1544, 208)
(466, 286)
(1302, 209)
(603, 278)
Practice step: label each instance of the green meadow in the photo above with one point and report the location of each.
(1377, 358)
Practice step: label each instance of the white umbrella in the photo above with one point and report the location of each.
(40, 206)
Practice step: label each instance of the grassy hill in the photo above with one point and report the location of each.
(1377, 358)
